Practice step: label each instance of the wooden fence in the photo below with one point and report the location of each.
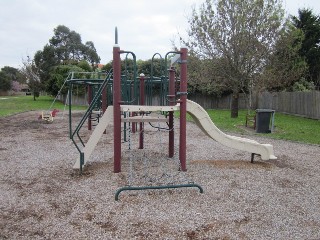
(210, 102)
(306, 104)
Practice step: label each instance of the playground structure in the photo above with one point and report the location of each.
(123, 99)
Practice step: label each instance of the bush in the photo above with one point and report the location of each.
(302, 86)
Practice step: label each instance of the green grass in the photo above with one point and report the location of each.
(287, 127)
(15, 104)
(295, 128)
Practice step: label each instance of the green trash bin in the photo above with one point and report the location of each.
(264, 120)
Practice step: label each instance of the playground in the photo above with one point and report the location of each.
(43, 197)
(127, 168)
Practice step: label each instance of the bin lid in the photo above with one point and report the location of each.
(265, 110)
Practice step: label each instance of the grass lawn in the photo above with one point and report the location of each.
(14, 104)
(287, 127)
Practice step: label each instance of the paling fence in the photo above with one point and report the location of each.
(306, 104)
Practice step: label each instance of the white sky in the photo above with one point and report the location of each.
(144, 26)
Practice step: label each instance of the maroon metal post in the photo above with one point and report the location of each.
(116, 109)
(171, 103)
(89, 89)
(141, 103)
(104, 102)
(183, 109)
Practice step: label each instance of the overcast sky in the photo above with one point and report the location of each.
(144, 26)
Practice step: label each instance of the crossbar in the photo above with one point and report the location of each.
(144, 119)
(142, 108)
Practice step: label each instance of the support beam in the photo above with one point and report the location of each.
(183, 109)
(89, 89)
(116, 108)
(171, 103)
(141, 99)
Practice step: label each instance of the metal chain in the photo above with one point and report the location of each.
(131, 174)
(163, 166)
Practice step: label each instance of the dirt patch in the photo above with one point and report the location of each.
(281, 162)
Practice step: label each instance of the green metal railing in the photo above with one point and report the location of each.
(137, 188)
(86, 116)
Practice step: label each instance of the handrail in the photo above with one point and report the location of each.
(134, 81)
(89, 110)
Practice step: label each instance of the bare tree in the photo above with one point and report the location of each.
(31, 73)
(239, 36)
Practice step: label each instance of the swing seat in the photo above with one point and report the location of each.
(47, 116)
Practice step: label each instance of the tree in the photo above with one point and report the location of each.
(310, 49)
(13, 74)
(69, 48)
(64, 48)
(202, 77)
(45, 61)
(58, 76)
(31, 73)
(85, 66)
(15, 86)
(107, 67)
(241, 34)
(285, 66)
(5, 83)
(90, 54)
(155, 67)
(67, 44)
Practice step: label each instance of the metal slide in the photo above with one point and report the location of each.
(202, 119)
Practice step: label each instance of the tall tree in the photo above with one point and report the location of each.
(285, 66)
(90, 53)
(45, 61)
(64, 48)
(310, 49)
(67, 44)
(241, 34)
(69, 47)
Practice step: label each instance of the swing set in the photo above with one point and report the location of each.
(49, 115)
